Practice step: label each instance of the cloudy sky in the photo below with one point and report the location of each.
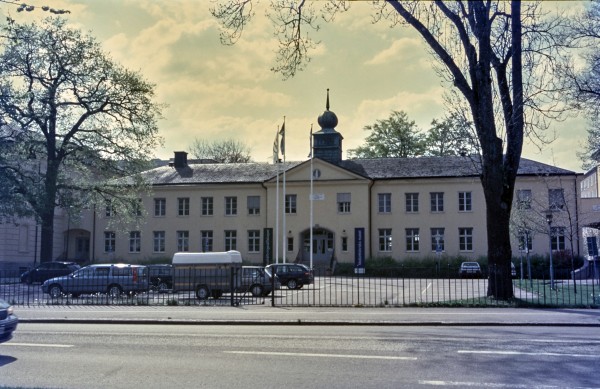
(219, 92)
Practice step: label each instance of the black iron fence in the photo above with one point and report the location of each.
(394, 290)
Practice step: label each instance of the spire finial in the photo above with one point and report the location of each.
(327, 105)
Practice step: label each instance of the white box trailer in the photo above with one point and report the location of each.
(207, 274)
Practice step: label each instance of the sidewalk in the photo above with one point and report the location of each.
(266, 315)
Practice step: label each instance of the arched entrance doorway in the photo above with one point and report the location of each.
(322, 248)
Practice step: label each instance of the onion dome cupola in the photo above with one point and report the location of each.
(327, 142)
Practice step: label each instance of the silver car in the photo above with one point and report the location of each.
(107, 278)
(258, 281)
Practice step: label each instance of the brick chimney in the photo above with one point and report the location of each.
(180, 159)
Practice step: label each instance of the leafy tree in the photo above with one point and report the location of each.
(221, 151)
(75, 120)
(396, 136)
(497, 56)
(453, 135)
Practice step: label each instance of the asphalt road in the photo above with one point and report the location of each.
(67, 355)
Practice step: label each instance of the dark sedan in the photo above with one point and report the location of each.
(47, 270)
(292, 275)
(8, 321)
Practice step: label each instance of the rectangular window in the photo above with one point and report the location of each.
(465, 239)
(290, 244)
(557, 238)
(385, 239)
(556, 199)
(207, 206)
(437, 240)
(253, 205)
(524, 199)
(160, 207)
(183, 206)
(137, 207)
(109, 241)
(412, 239)
(231, 205)
(437, 201)
(343, 202)
(206, 238)
(183, 241)
(384, 201)
(108, 208)
(464, 202)
(159, 241)
(290, 203)
(525, 241)
(254, 241)
(412, 202)
(135, 242)
(230, 240)
(344, 243)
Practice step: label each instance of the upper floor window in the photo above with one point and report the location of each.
(437, 201)
(412, 202)
(207, 206)
(290, 203)
(524, 198)
(160, 207)
(253, 205)
(343, 202)
(464, 202)
(556, 199)
(525, 240)
(231, 205)
(109, 241)
(254, 241)
(183, 206)
(108, 208)
(384, 201)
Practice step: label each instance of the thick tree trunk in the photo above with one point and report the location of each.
(46, 212)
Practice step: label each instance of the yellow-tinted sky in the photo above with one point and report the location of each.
(219, 92)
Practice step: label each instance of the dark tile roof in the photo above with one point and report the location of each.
(377, 169)
(213, 173)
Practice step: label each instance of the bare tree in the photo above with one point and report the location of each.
(492, 52)
(75, 120)
(221, 151)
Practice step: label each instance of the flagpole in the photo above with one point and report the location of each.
(311, 198)
(276, 161)
(283, 233)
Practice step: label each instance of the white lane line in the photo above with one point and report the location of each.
(494, 352)
(496, 385)
(38, 345)
(321, 355)
(428, 286)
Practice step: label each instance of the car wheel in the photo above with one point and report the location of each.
(257, 290)
(202, 293)
(292, 284)
(216, 294)
(162, 287)
(55, 291)
(114, 291)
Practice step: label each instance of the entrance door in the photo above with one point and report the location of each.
(323, 245)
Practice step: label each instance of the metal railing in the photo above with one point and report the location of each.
(333, 290)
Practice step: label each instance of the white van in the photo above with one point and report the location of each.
(207, 274)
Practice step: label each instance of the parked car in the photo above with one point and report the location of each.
(47, 270)
(292, 275)
(161, 277)
(8, 321)
(258, 281)
(107, 278)
(469, 269)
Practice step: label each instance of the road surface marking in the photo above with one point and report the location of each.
(321, 355)
(526, 353)
(497, 385)
(38, 345)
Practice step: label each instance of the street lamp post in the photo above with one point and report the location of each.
(549, 221)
